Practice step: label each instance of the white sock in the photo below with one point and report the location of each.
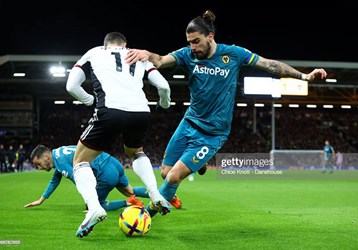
(144, 170)
(86, 184)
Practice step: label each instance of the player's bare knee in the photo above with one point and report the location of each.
(130, 153)
(133, 152)
(163, 174)
(174, 176)
(164, 171)
(178, 172)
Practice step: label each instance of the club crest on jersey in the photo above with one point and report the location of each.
(225, 59)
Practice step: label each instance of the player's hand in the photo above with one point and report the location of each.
(33, 204)
(159, 108)
(93, 105)
(162, 105)
(135, 55)
(321, 73)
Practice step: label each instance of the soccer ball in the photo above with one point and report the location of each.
(135, 221)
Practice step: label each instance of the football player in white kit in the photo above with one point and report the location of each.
(121, 108)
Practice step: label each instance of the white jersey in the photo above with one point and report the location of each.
(116, 84)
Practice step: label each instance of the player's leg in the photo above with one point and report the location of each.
(86, 186)
(112, 205)
(124, 186)
(109, 205)
(83, 175)
(175, 201)
(164, 171)
(134, 135)
(113, 176)
(331, 165)
(132, 198)
(168, 190)
(144, 170)
(96, 138)
(140, 191)
(172, 154)
(196, 149)
(325, 166)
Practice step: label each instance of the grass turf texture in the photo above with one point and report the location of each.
(299, 213)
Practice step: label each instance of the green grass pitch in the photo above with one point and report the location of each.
(292, 213)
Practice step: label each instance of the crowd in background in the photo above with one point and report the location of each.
(11, 159)
(298, 128)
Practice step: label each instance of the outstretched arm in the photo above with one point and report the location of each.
(284, 70)
(51, 187)
(35, 203)
(159, 61)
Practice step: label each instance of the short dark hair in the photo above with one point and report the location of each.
(38, 151)
(114, 37)
(203, 24)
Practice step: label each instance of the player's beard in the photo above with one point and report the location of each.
(205, 53)
(48, 166)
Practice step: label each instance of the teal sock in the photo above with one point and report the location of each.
(150, 211)
(114, 205)
(168, 191)
(141, 192)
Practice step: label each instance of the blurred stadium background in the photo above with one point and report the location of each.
(35, 108)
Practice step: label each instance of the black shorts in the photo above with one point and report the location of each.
(108, 124)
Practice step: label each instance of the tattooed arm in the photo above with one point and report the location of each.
(282, 69)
